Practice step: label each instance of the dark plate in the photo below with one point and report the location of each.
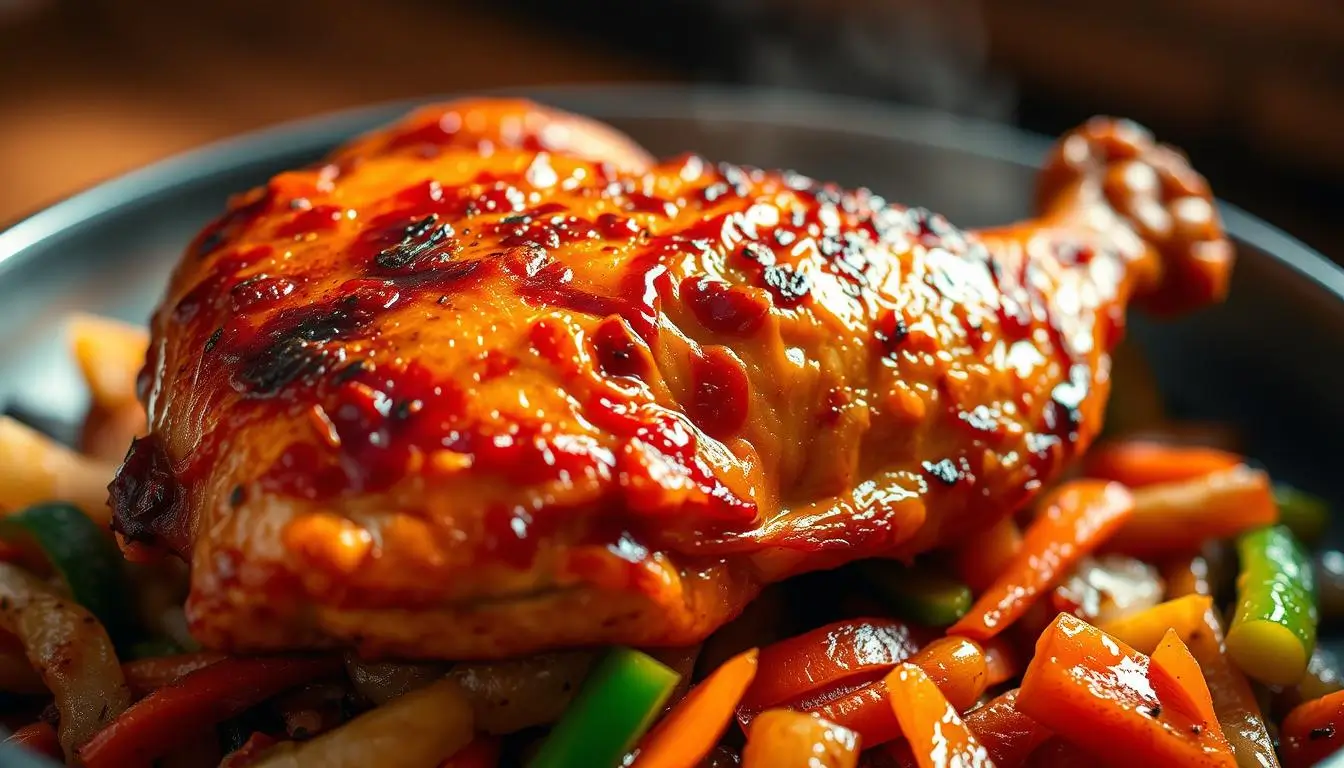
(1267, 360)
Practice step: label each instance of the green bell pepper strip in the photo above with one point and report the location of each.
(618, 702)
(82, 554)
(917, 594)
(1307, 516)
(1273, 630)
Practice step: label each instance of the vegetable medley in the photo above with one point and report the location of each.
(1160, 608)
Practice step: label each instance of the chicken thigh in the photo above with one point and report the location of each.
(493, 380)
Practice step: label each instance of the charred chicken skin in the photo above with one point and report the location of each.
(493, 380)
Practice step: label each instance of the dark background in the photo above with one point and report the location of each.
(1253, 89)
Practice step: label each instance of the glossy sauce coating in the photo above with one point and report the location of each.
(492, 380)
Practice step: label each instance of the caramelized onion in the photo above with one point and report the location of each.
(509, 696)
(381, 681)
(69, 649)
(420, 728)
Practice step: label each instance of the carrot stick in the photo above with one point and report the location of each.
(1093, 690)
(38, 737)
(1179, 682)
(1313, 731)
(987, 554)
(1077, 518)
(936, 733)
(1007, 734)
(174, 714)
(1175, 518)
(1137, 463)
(689, 732)
(956, 665)
(1197, 623)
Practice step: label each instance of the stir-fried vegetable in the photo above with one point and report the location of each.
(921, 595)
(618, 702)
(1313, 731)
(416, 729)
(1273, 631)
(1178, 682)
(936, 733)
(1106, 587)
(689, 732)
(1095, 691)
(956, 665)
(1075, 520)
(779, 738)
(1305, 515)
(145, 675)
(1007, 734)
(71, 651)
(815, 661)
(109, 354)
(36, 469)
(81, 553)
(1137, 463)
(511, 695)
(1196, 622)
(1176, 518)
(172, 715)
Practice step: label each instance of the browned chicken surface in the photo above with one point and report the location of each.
(493, 380)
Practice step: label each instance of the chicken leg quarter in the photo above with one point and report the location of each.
(493, 380)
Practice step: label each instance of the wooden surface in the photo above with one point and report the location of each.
(93, 88)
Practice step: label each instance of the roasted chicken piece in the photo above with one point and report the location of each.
(493, 380)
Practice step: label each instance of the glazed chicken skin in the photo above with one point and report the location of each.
(493, 380)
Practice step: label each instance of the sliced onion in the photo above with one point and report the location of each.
(417, 730)
(509, 696)
(382, 681)
(69, 649)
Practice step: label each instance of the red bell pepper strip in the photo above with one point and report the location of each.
(145, 675)
(853, 651)
(172, 715)
(1094, 691)
(956, 665)
(1074, 520)
(1006, 733)
(936, 733)
(1313, 731)
(689, 732)
(1137, 463)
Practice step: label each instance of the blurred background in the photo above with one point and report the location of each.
(1253, 89)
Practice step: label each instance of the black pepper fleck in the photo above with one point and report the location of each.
(214, 339)
(1326, 731)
